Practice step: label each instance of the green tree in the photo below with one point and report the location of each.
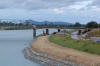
(77, 24)
(99, 25)
(92, 24)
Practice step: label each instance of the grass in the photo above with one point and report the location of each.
(70, 31)
(86, 46)
(94, 33)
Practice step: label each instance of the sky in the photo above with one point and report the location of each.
(71, 11)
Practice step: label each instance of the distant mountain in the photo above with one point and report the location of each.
(47, 23)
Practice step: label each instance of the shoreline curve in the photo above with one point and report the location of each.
(49, 54)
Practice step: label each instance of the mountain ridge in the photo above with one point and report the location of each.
(48, 22)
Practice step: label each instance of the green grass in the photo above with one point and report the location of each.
(70, 31)
(86, 46)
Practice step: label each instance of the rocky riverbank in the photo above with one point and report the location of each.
(49, 54)
(45, 59)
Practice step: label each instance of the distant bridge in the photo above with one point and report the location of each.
(55, 27)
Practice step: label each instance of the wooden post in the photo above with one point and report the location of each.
(44, 34)
(79, 32)
(58, 30)
(47, 31)
(34, 32)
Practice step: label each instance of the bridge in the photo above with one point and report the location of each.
(52, 27)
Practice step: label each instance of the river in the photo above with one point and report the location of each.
(12, 43)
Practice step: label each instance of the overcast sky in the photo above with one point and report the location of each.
(52, 10)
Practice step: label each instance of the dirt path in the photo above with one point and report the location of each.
(43, 45)
(75, 36)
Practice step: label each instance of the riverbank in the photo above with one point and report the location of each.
(50, 54)
(46, 60)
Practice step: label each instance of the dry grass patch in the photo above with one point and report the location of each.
(94, 33)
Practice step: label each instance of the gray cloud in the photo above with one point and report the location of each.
(95, 3)
(36, 4)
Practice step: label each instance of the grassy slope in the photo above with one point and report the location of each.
(94, 33)
(86, 46)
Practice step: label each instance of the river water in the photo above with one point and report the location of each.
(12, 43)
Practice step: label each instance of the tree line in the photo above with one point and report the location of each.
(10, 24)
(91, 24)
